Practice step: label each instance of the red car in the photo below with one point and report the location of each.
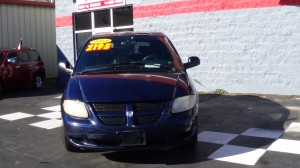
(19, 67)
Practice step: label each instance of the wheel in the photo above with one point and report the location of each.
(69, 147)
(37, 82)
(192, 143)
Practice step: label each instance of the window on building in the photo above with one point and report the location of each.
(83, 21)
(101, 21)
(102, 18)
(122, 16)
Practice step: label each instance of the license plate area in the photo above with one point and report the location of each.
(131, 138)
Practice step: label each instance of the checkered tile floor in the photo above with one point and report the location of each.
(52, 117)
(245, 148)
(239, 148)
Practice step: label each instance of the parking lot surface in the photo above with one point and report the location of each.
(234, 131)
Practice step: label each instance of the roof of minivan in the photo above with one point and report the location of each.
(128, 33)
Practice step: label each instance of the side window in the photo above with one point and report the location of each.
(35, 56)
(12, 57)
(24, 57)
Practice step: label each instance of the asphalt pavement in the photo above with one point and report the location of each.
(235, 131)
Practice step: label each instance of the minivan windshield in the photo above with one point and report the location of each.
(124, 53)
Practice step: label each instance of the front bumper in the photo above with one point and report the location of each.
(164, 134)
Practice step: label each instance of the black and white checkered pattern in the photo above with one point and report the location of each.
(249, 146)
(245, 148)
(53, 118)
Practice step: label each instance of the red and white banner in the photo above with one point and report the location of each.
(84, 5)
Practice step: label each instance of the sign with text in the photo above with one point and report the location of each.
(84, 5)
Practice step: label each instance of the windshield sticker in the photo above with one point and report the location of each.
(100, 41)
(98, 47)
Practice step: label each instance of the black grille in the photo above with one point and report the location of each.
(114, 114)
(109, 107)
(140, 107)
(147, 112)
(113, 120)
(138, 120)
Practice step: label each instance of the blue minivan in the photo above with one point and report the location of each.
(129, 91)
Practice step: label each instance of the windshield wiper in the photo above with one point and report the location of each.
(139, 64)
(128, 64)
(143, 65)
(164, 66)
(113, 67)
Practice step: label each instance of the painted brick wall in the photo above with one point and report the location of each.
(254, 50)
(64, 34)
(148, 2)
(246, 47)
(65, 7)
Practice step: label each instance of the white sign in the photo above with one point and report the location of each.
(84, 5)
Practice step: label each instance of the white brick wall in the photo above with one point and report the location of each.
(64, 7)
(241, 51)
(147, 2)
(253, 50)
(64, 35)
(64, 40)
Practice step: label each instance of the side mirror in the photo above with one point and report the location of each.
(192, 62)
(62, 66)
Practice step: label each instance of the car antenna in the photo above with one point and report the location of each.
(20, 44)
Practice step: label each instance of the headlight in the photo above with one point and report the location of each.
(75, 108)
(182, 104)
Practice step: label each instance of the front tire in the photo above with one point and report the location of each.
(192, 142)
(37, 82)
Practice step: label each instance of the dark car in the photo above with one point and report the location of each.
(20, 67)
(129, 91)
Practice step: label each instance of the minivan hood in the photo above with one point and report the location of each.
(127, 87)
